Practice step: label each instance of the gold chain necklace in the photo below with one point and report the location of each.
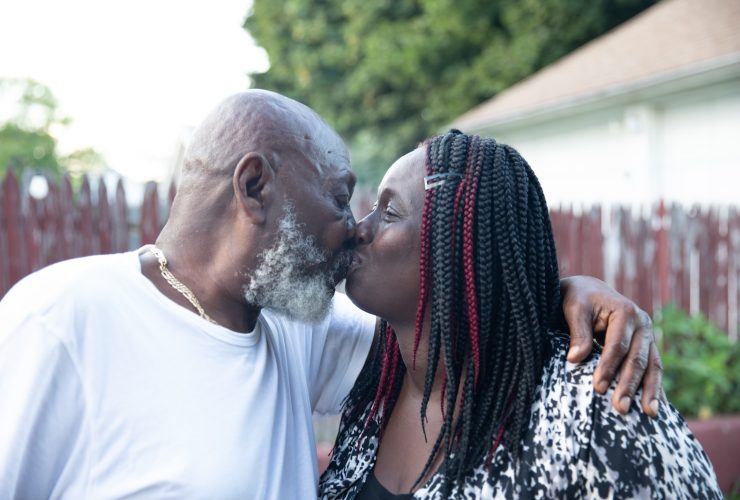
(177, 284)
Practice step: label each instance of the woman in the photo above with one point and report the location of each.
(469, 393)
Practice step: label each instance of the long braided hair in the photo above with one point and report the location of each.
(489, 274)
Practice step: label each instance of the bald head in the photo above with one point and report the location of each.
(257, 121)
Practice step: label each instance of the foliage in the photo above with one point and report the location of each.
(702, 376)
(387, 73)
(82, 161)
(20, 148)
(26, 140)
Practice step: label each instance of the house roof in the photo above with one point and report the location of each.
(671, 36)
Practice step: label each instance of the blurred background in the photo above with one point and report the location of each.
(628, 111)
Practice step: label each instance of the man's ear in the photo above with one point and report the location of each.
(253, 181)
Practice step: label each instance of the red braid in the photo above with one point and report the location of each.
(424, 269)
(388, 369)
(378, 394)
(395, 355)
(471, 296)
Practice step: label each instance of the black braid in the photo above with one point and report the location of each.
(443, 296)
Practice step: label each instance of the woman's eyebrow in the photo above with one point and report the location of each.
(400, 204)
(387, 192)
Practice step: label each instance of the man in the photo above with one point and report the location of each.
(111, 386)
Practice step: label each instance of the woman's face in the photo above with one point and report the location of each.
(384, 277)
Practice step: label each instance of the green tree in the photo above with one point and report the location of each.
(26, 141)
(387, 73)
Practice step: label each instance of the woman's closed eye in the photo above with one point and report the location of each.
(389, 214)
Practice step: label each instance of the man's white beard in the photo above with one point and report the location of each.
(282, 281)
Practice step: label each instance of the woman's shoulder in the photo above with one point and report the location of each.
(630, 455)
(567, 396)
(578, 446)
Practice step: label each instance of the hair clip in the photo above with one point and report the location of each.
(431, 181)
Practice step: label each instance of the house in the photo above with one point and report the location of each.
(648, 111)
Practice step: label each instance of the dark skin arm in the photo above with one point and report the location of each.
(591, 307)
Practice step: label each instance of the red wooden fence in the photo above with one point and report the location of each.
(66, 224)
(687, 256)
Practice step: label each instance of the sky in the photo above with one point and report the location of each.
(135, 76)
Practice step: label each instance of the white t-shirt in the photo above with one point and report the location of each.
(109, 390)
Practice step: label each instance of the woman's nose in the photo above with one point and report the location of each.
(364, 230)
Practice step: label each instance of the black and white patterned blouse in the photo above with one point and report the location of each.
(577, 446)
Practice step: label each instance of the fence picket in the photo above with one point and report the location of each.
(4, 269)
(120, 220)
(85, 242)
(13, 230)
(32, 233)
(733, 285)
(149, 225)
(104, 223)
(66, 219)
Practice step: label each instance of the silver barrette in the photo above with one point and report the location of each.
(431, 181)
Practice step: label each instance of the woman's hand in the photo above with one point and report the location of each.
(589, 306)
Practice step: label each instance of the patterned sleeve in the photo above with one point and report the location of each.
(636, 456)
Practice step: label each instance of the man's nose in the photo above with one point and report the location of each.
(364, 230)
(351, 227)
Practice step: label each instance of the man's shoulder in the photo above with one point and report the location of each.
(67, 282)
(74, 272)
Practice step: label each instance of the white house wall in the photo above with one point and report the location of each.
(681, 147)
(700, 146)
